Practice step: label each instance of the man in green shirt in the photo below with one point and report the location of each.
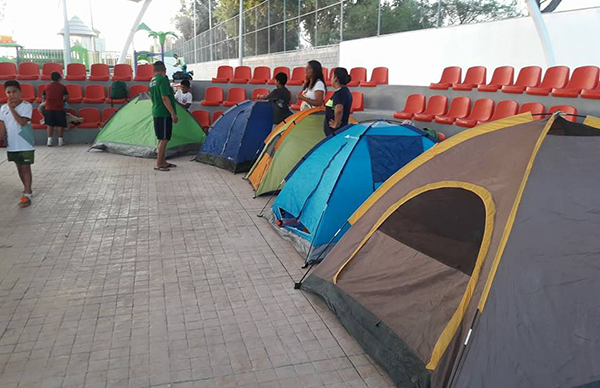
(163, 111)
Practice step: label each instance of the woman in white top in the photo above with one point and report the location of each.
(313, 92)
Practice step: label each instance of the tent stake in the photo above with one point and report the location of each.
(299, 284)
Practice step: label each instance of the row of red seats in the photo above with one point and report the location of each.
(461, 114)
(92, 117)
(75, 72)
(262, 75)
(203, 117)
(215, 96)
(584, 81)
(94, 94)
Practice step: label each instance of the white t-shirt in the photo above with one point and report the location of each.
(183, 98)
(20, 138)
(311, 93)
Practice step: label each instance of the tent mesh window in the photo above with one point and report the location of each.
(391, 153)
(445, 224)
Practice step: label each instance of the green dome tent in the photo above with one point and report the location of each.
(131, 132)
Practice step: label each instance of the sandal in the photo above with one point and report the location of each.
(170, 165)
(162, 168)
(25, 201)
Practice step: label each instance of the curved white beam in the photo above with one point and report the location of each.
(536, 15)
(134, 28)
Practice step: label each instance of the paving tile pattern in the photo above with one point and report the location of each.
(120, 276)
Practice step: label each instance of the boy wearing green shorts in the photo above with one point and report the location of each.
(15, 126)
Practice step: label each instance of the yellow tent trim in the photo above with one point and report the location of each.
(433, 152)
(513, 213)
(490, 210)
(592, 121)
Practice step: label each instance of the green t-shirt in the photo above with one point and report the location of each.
(159, 87)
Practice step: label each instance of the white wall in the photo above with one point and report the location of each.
(418, 57)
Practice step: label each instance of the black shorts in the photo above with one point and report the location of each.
(163, 128)
(55, 118)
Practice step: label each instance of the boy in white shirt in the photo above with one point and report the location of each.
(15, 125)
(183, 95)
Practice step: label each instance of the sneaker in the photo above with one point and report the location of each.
(60, 142)
(49, 142)
(25, 201)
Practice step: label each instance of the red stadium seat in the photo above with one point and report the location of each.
(555, 77)
(49, 68)
(437, 106)
(75, 94)
(281, 69)
(91, 118)
(329, 76)
(28, 71)
(481, 112)
(450, 76)
(144, 73)
(504, 109)
(298, 76)
(475, 76)
(216, 115)
(460, 107)
(358, 102)
(262, 75)
(585, 77)
(99, 72)
(36, 117)
(235, 96)
(257, 92)
(325, 73)
(122, 72)
(137, 89)
(116, 100)
(94, 94)
(379, 76)
(28, 93)
(8, 70)
(107, 114)
(415, 103)
(241, 75)
(213, 96)
(503, 76)
(529, 76)
(40, 93)
(358, 75)
(592, 93)
(568, 109)
(224, 74)
(76, 72)
(3, 97)
(535, 108)
(202, 117)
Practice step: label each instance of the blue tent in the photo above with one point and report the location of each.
(336, 177)
(236, 137)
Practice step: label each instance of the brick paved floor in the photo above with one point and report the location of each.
(120, 276)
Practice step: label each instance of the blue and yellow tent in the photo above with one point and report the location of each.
(236, 137)
(336, 177)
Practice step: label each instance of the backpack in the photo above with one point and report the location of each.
(118, 90)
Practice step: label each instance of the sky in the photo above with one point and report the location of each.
(35, 23)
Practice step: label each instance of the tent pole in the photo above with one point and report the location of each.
(270, 198)
(134, 28)
(538, 20)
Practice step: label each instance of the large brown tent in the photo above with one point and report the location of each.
(478, 263)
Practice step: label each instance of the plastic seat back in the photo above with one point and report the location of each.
(8, 70)
(49, 68)
(214, 94)
(137, 89)
(40, 92)
(257, 92)
(122, 72)
(451, 75)
(225, 72)
(460, 107)
(585, 77)
(503, 75)
(76, 72)
(99, 72)
(107, 113)
(3, 97)
(475, 75)
(358, 75)
(415, 103)
(236, 95)
(535, 108)
(529, 76)
(144, 73)
(555, 77)
(282, 69)
(262, 73)
(28, 92)
(202, 117)
(75, 93)
(299, 74)
(242, 72)
(95, 92)
(482, 110)
(358, 102)
(437, 106)
(505, 109)
(29, 70)
(36, 117)
(568, 109)
(90, 115)
(216, 115)
(325, 73)
(380, 76)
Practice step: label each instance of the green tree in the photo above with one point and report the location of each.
(184, 19)
(548, 5)
(454, 12)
